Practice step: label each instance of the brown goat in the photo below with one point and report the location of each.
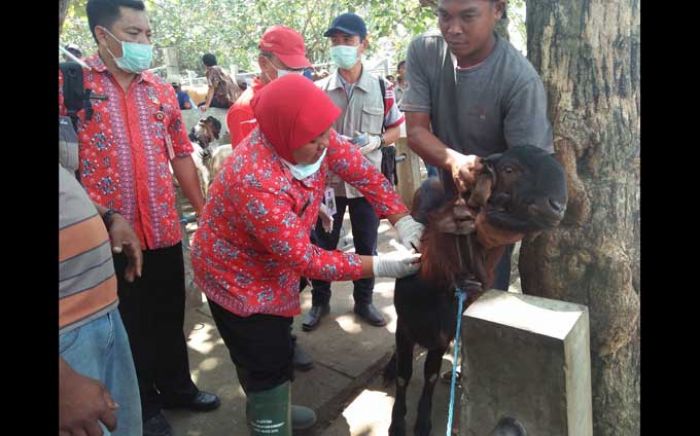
(520, 191)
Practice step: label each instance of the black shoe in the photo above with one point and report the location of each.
(370, 314)
(313, 317)
(201, 402)
(157, 426)
(301, 359)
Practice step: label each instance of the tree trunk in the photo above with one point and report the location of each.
(587, 53)
(62, 8)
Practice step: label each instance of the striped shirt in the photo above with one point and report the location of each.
(87, 287)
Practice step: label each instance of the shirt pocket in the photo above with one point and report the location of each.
(372, 120)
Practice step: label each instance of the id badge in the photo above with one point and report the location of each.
(329, 200)
(169, 146)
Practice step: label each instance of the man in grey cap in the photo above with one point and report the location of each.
(371, 117)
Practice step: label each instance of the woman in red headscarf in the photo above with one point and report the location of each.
(252, 245)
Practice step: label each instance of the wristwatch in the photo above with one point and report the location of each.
(107, 217)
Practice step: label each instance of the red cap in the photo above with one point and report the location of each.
(287, 44)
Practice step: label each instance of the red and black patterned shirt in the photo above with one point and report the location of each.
(253, 243)
(126, 148)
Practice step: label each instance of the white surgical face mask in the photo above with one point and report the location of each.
(302, 171)
(283, 72)
(344, 56)
(136, 58)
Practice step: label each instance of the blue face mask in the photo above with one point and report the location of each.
(344, 56)
(302, 171)
(136, 58)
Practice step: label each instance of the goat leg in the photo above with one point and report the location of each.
(431, 372)
(404, 365)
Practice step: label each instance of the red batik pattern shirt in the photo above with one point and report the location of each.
(126, 148)
(253, 243)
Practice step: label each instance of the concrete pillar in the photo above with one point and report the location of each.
(408, 171)
(529, 358)
(171, 63)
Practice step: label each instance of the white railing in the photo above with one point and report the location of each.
(380, 68)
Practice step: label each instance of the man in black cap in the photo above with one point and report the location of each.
(371, 117)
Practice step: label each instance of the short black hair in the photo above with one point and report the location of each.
(105, 12)
(398, 67)
(209, 60)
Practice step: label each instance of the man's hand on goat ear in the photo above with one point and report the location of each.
(465, 170)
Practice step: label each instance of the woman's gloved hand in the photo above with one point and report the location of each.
(396, 264)
(410, 232)
(326, 218)
(366, 142)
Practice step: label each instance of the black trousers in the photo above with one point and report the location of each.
(153, 311)
(365, 224)
(260, 346)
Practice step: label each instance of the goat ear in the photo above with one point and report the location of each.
(482, 188)
(491, 160)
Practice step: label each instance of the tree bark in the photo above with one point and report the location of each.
(62, 8)
(587, 53)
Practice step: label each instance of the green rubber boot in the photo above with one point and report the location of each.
(269, 412)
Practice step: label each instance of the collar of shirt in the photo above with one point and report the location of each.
(497, 42)
(364, 82)
(257, 84)
(95, 62)
(458, 68)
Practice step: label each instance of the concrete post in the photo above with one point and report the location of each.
(529, 358)
(408, 171)
(173, 68)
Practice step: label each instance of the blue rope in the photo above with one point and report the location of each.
(461, 296)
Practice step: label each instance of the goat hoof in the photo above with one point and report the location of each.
(423, 428)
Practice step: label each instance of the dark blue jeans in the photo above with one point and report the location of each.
(365, 224)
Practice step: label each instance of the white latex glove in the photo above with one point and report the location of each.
(410, 232)
(374, 142)
(346, 138)
(326, 218)
(396, 264)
